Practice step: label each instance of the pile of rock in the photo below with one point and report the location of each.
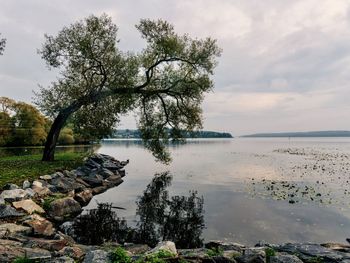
(30, 215)
(227, 252)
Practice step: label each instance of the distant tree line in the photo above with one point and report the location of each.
(22, 124)
(127, 133)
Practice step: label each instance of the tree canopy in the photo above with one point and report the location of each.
(21, 124)
(164, 83)
(2, 44)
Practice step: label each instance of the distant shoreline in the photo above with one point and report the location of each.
(310, 134)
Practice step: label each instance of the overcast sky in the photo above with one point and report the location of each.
(285, 64)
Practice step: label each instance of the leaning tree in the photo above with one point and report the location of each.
(164, 83)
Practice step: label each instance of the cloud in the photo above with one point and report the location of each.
(285, 64)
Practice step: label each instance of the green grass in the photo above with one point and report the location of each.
(16, 169)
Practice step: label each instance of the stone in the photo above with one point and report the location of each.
(10, 250)
(73, 252)
(165, 245)
(81, 181)
(115, 179)
(214, 244)
(10, 187)
(84, 197)
(63, 259)
(2, 201)
(99, 189)
(28, 206)
(136, 249)
(8, 212)
(30, 192)
(66, 184)
(67, 228)
(57, 175)
(121, 173)
(232, 253)
(308, 250)
(195, 253)
(96, 256)
(45, 177)
(26, 184)
(219, 259)
(16, 195)
(64, 208)
(337, 247)
(37, 183)
(48, 244)
(40, 225)
(41, 191)
(94, 180)
(113, 166)
(11, 229)
(70, 174)
(282, 258)
(37, 254)
(92, 164)
(252, 258)
(105, 173)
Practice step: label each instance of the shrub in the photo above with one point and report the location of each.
(119, 255)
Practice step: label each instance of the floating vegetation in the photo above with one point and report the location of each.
(320, 176)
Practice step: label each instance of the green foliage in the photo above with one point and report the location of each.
(165, 83)
(215, 252)
(66, 136)
(158, 257)
(29, 125)
(2, 45)
(269, 252)
(6, 126)
(31, 167)
(119, 255)
(21, 124)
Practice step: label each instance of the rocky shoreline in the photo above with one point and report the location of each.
(35, 222)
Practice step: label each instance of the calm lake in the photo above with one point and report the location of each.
(273, 190)
(267, 189)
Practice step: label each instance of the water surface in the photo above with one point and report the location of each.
(273, 190)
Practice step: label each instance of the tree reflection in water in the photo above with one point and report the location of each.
(176, 218)
(160, 217)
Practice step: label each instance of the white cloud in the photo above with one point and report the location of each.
(285, 64)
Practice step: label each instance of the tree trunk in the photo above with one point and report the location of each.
(52, 137)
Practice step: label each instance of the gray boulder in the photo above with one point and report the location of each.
(96, 256)
(63, 259)
(84, 197)
(309, 251)
(282, 258)
(8, 212)
(26, 184)
(16, 194)
(11, 229)
(64, 208)
(10, 187)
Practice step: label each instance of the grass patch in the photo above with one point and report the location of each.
(215, 252)
(16, 169)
